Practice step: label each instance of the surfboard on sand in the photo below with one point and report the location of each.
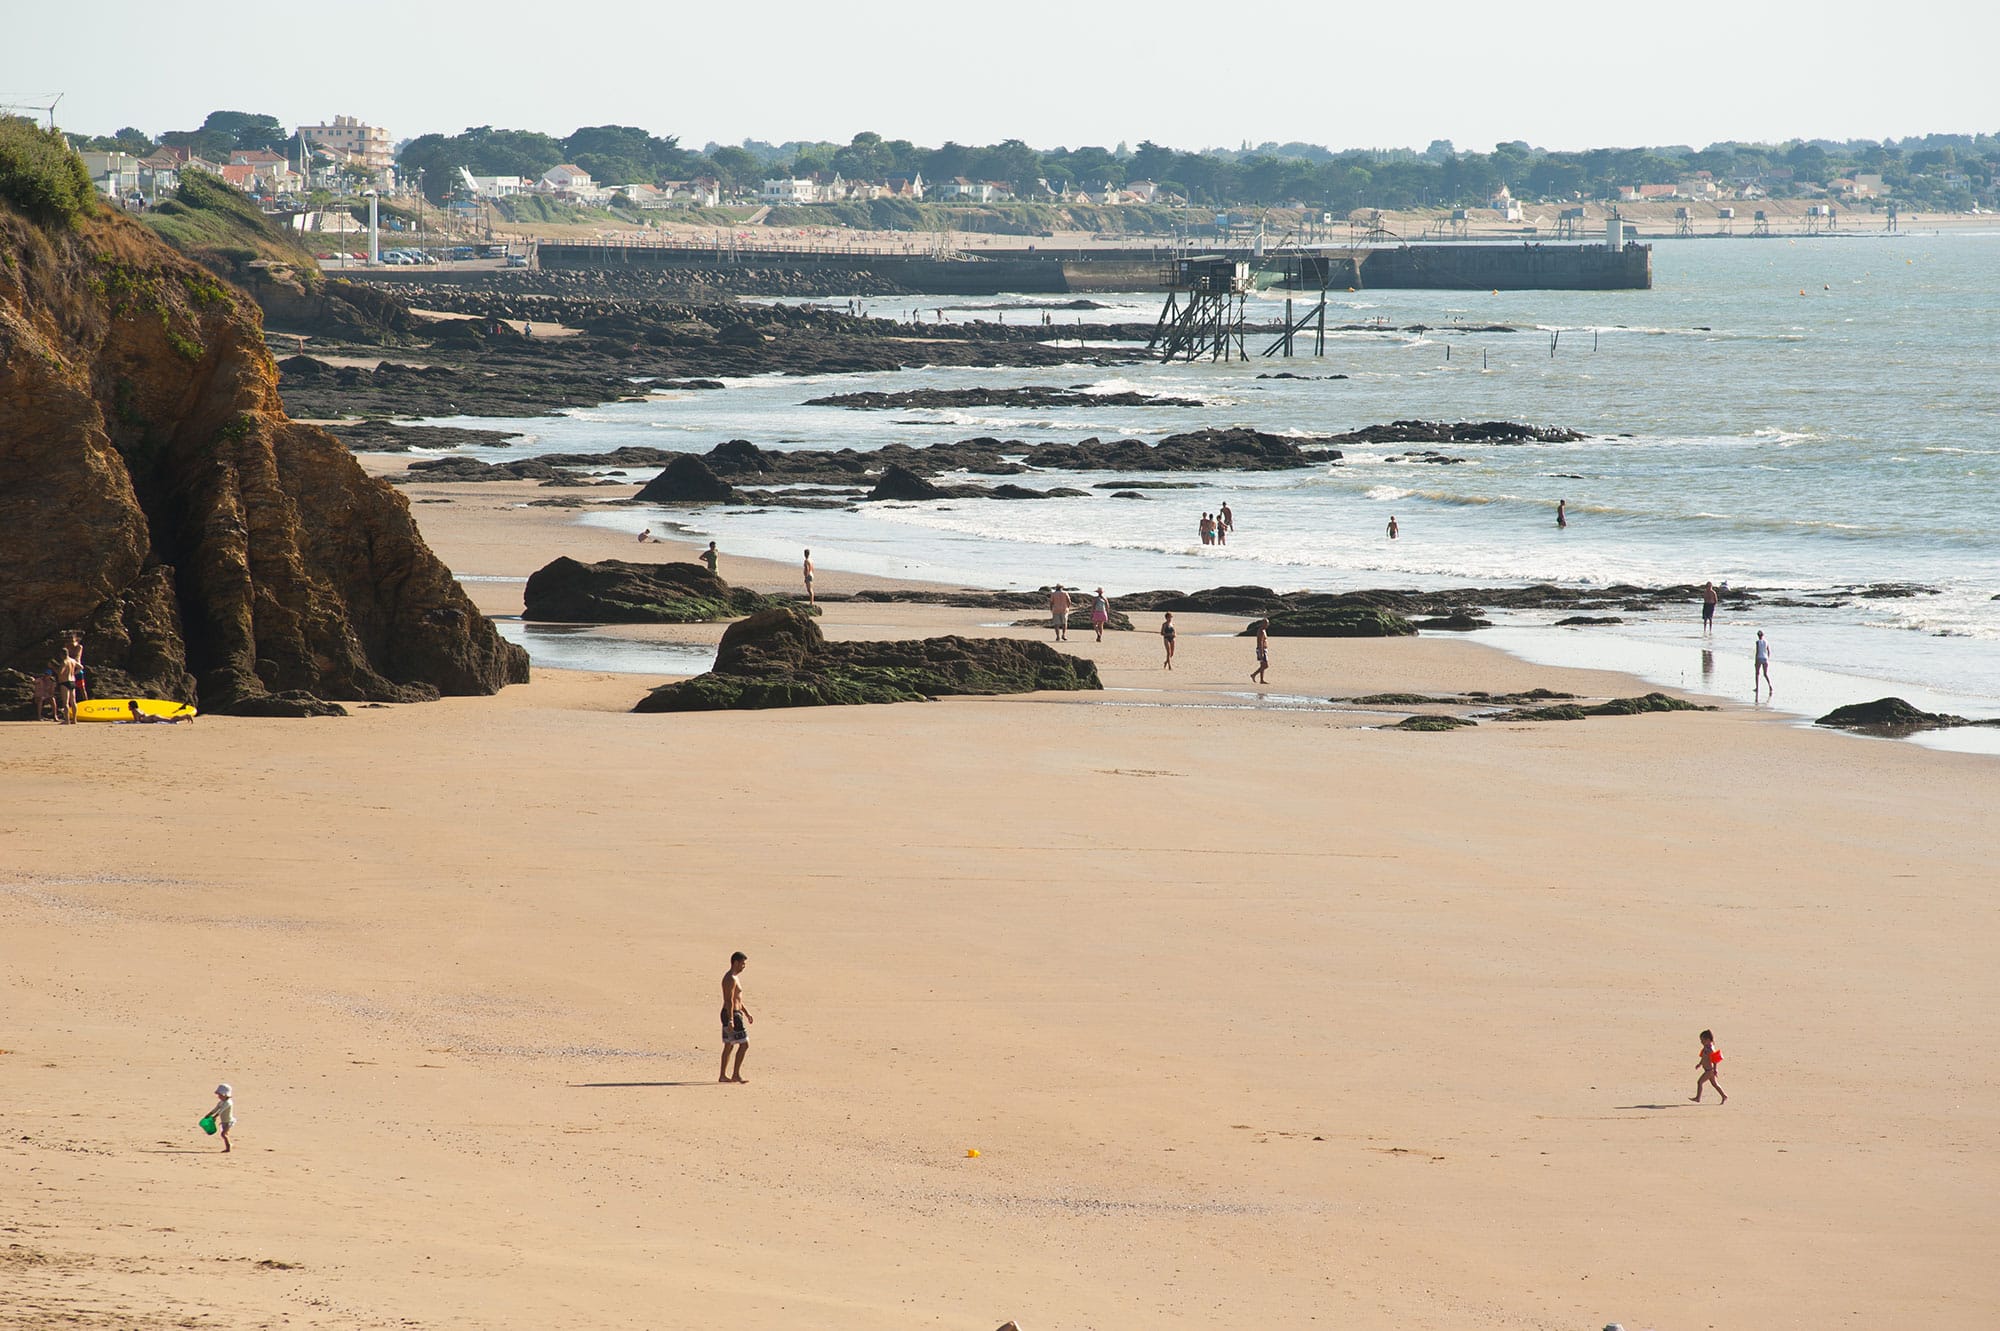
(120, 709)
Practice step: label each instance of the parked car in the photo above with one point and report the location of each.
(517, 261)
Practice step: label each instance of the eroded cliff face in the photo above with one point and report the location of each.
(154, 495)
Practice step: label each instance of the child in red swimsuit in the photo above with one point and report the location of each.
(1710, 1060)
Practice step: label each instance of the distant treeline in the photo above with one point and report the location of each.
(1942, 171)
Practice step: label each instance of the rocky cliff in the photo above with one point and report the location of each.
(154, 495)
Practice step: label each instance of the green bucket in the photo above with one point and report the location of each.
(208, 1125)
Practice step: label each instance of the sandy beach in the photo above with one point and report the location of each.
(1258, 1015)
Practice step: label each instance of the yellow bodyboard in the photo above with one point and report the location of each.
(120, 709)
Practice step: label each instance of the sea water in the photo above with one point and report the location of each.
(1793, 416)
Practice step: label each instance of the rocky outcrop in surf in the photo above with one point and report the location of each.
(1033, 395)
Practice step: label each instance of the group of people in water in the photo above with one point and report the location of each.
(1215, 527)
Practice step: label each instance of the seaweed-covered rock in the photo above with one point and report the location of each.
(1336, 622)
(1426, 723)
(1893, 716)
(1569, 711)
(1648, 702)
(1079, 619)
(1562, 711)
(687, 480)
(779, 658)
(613, 591)
(1459, 622)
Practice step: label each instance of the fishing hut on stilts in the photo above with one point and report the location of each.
(1204, 309)
(1204, 312)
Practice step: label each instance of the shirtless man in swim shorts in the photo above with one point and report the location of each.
(1263, 651)
(808, 570)
(1059, 612)
(736, 1018)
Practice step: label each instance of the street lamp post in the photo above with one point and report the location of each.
(374, 232)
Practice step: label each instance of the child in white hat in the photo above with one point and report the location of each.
(224, 1113)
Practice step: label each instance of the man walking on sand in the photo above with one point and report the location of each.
(1761, 666)
(1708, 600)
(736, 1018)
(808, 570)
(711, 557)
(1263, 651)
(1059, 612)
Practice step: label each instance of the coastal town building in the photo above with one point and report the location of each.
(116, 174)
(644, 196)
(493, 187)
(976, 191)
(701, 192)
(788, 190)
(566, 176)
(572, 183)
(363, 145)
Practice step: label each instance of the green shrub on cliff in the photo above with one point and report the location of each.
(41, 175)
(224, 231)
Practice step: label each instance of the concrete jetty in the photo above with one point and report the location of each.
(1459, 266)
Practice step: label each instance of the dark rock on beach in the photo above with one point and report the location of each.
(614, 591)
(457, 470)
(1893, 717)
(779, 658)
(1650, 702)
(1336, 622)
(1433, 723)
(901, 483)
(1453, 623)
(688, 480)
(1079, 621)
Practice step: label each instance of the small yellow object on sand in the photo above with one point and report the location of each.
(972, 1152)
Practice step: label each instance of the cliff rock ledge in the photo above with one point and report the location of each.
(154, 495)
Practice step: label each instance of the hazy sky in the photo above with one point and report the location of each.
(1065, 73)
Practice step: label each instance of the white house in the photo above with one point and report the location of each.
(1142, 191)
(497, 187)
(788, 191)
(913, 189)
(566, 179)
(971, 191)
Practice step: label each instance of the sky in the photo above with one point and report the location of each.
(1068, 73)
